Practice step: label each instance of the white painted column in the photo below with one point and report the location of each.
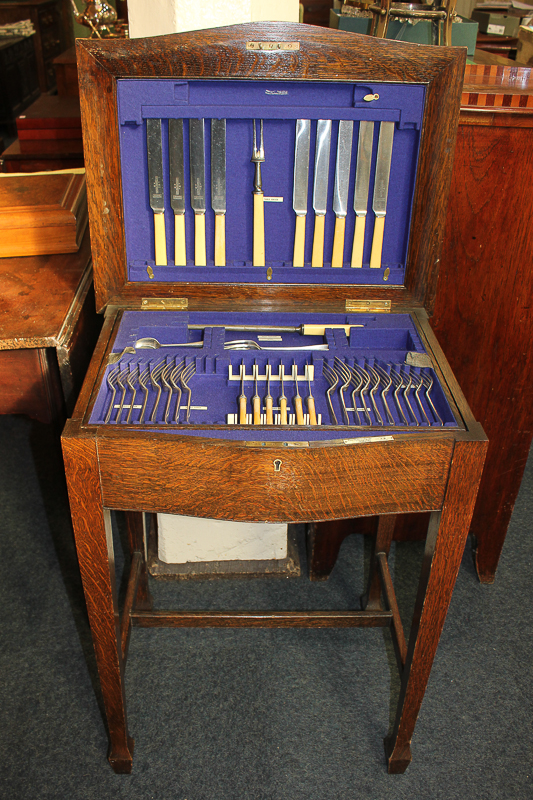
(182, 539)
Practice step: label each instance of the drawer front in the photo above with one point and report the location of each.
(225, 480)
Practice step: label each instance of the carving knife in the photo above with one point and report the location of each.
(381, 189)
(154, 149)
(198, 202)
(177, 188)
(320, 188)
(301, 181)
(362, 181)
(340, 194)
(218, 187)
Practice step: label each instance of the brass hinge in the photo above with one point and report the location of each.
(369, 306)
(164, 303)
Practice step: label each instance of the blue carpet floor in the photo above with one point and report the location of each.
(251, 714)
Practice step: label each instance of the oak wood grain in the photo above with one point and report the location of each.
(92, 531)
(226, 480)
(442, 559)
(261, 619)
(323, 55)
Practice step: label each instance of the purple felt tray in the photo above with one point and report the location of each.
(144, 387)
(279, 105)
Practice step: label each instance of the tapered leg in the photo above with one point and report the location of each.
(371, 600)
(92, 531)
(442, 558)
(135, 528)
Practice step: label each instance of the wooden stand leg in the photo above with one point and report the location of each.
(135, 528)
(92, 531)
(442, 558)
(324, 540)
(371, 600)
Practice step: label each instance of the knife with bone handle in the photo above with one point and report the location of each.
(320, 189)
(340, 194)
(218, 187)
(362, 181)
(154, 149)
(198, 201)
(301, 181)
(258, 157)
(381, 190)
(177, 188)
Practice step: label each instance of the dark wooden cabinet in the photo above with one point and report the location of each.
(53, 34)
(19, 84)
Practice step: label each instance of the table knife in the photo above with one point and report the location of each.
(154, 149)
(177, 188)
(362, 181)
(320, 189)
(301, 181)
(198, 201)
(218, 187)
(340, 194)
(381, 189)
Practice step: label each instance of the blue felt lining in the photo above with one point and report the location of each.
(279, 105)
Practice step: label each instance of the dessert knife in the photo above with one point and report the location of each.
(320, 189)
(198, 202)
(154, 149)
(340, 194)
(301, 181)
(177, 188)
(218, 187)
(362, 181)
(381, 189)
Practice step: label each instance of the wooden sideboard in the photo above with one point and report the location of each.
(483, 315)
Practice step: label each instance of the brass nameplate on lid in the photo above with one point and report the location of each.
(164, 303)
(369, 306)
(272, 45)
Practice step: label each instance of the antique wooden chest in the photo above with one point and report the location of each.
(266, 207)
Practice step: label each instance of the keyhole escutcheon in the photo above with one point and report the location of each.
(277, 464)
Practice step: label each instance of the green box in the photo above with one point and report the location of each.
(464, 33)
(498, 24)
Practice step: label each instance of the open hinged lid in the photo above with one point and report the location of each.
(374, 120)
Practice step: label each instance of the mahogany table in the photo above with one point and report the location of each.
(48, 329)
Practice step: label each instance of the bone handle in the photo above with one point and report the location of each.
(269, 410)
(338, 242)
(358, 241)
(299, 241)
(317, 258)
(377, 243)
(256, 406)
(220, 240)
(180, 256)
(242, 409)
(160, 240)
(283, 410)
(199, 240)
(312, 410)
(298, 407)
(259, 230)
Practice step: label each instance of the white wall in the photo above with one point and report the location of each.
(157, 17)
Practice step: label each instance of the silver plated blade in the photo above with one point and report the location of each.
(322, 150)
(197, 165)
(364, 160)
(154, 149)
(176, 165)
(342, 169)
(383, 163)
(301, 165)
(218, 165)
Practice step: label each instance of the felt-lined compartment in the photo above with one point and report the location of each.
(215, 374)
(279, 104)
